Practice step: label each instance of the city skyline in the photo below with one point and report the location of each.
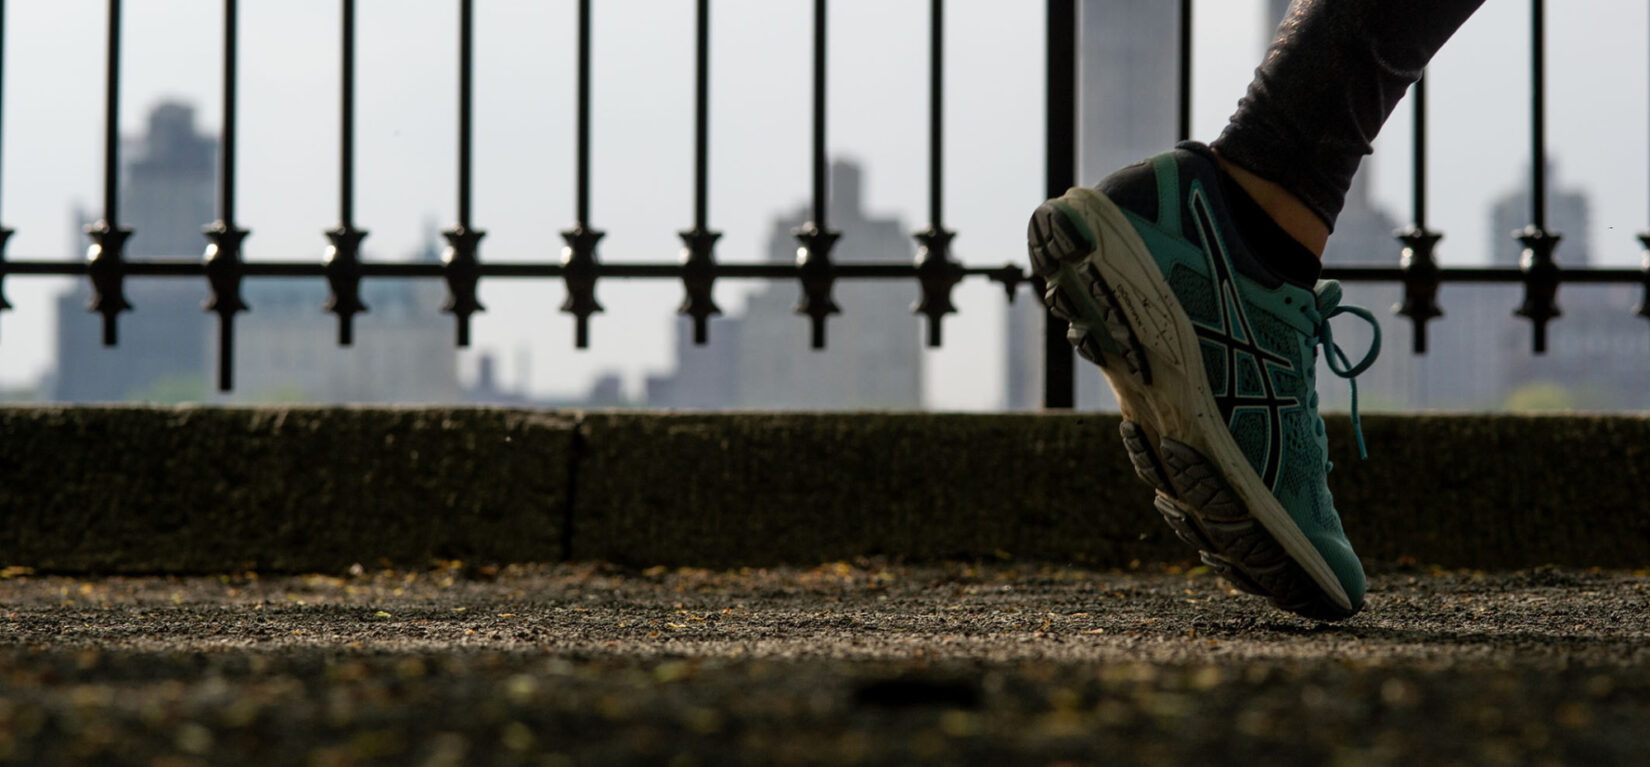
(993, 163)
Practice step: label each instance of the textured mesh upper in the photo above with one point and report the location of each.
(1301, 484)
(1214, 364)
(1250, 430)
(1196, 294)
(1248, 375)
(1272, 334)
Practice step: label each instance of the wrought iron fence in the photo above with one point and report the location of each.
(934, 270)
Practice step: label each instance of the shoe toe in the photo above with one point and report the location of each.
(1344, 562)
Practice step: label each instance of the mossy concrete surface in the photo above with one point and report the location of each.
(200, 490)
(1484, 491)
(207, 489)
(1497, 491)
(798, 487)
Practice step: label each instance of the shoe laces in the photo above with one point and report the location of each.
(1329, 306)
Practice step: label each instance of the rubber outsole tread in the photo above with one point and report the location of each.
(1146, 464)
(1232, 541)
(1193, 498)
(1077, 294)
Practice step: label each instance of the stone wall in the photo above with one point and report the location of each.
(203, 490)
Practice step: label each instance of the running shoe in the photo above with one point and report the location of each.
(1213, 357)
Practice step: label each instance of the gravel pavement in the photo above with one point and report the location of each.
(849, 663)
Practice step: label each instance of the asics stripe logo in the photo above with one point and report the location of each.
(1235, 338)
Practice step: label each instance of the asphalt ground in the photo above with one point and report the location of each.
(849, 663)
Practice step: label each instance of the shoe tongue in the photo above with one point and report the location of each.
(1329, 295)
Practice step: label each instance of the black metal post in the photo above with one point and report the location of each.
(1059, 373)
(1541, 272)
(5, 233)
(1643, 309)
(459, 260)
(223, 255)
(1184, 115)
(1420, 269)
(698, 255)
(579, 256)
(343, 256)
(105, 263)
(813, 259)
(937, 273)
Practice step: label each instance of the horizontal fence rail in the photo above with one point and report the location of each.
(934, 269)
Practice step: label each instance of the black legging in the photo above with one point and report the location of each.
(1332, 76)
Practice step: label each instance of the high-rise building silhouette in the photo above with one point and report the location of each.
(167, 186)
(1598, 354)
(761, 358)
(286, 345)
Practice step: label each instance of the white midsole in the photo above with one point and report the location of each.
(1178, 403)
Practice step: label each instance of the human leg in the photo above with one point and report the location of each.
(1334, 73)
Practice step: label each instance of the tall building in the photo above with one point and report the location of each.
(761, 358)
(1598, 354)
(286, 346)
(166, 192)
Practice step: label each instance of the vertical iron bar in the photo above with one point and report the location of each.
(226, 164)
(937, 273)
(223, 256)
(1418, 98)
(1643, 309)
(1420, 302)
(936, 114)
(1541, 272)
(701, 117)
(346, 120)
(819, 169)
(579, 255)
(1059, 374)
(105, 265)
(816, 237)
(5, 233)
(1538, 113)
(582, 216)
(1184, 124)
(465, 72)
(111, 121)
(699, 258)
(343, 257)
(459, 263)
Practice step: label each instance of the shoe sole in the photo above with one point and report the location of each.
(1124, 318)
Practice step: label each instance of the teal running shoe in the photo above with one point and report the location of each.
(1213, 358)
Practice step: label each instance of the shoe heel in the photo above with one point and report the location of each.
(1060, 251)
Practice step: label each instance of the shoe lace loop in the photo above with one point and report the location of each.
(1328, 307)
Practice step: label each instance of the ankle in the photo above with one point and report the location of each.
(1291, 215)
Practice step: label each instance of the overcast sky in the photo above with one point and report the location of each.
(760, 137)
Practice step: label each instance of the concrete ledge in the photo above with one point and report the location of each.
(722, 490)
(199, 490)
(202, 490)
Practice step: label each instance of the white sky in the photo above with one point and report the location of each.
(1598, 81)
